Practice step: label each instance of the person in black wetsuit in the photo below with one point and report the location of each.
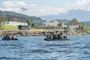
(6, 37)
(48, 35)
(65, 37)
(60, 35)
(13, 37)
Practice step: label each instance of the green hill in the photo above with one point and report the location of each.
(21, 17)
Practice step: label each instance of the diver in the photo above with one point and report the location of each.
(65, 37)
(6, 37)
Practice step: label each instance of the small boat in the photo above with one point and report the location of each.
(48, 39)
(8, 38)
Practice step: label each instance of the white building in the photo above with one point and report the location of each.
(72, 28)
(54, 24)
(13, 23)
(51, 24)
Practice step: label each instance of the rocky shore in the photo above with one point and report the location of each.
(20, 33)
(35, 33)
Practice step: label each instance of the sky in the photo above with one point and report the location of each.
(43, 7)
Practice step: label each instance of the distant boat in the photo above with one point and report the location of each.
(48, 39)
(8, 38)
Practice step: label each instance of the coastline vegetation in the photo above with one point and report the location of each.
(35, 27)
(9, 27)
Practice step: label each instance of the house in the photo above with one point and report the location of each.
(51, 24)
(72, 28)
(13, 23)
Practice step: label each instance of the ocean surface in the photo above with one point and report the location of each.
(35, 48)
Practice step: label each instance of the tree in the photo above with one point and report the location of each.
(82, 24)
(33, 25)
(74, 22)
(29, 23)
(1, 20)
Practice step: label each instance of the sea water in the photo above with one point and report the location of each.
(35, 48)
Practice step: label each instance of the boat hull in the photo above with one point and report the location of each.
(55, 39)
(9, 39)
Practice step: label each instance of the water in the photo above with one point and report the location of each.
(35, 48)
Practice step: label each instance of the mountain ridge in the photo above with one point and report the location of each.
(78, 14)
(39, 20)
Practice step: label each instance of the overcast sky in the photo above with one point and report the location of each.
(43, 7)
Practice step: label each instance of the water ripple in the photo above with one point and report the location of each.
(35, 48)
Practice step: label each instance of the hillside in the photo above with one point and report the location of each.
(87, 23)
(21, 17)
(38, 21)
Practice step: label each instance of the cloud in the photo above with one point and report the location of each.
(44, 10)
(83, 4)
(78, 5)
(29, 9)
(23, 7)
(11, 5)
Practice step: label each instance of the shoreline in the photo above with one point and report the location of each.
(35, 33)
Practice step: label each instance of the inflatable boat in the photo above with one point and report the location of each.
(9, 38)
(48, 39)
